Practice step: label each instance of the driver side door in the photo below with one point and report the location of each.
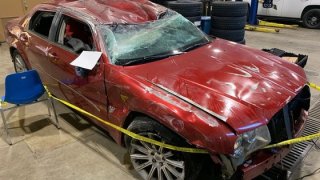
(84, 88)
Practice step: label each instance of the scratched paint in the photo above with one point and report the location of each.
(207, 95)
(237, 87)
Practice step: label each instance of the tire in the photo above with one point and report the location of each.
(228, 23)
(18, 62)
(242, 42)
(194, 19)
(311, 19)
(229, 9)
(231, 35)
(155, 156)
(162, 2)
(186, 8)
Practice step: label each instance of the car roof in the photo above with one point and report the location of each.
(114, 11)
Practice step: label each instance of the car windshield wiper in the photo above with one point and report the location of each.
(141, 60)
(194, 46)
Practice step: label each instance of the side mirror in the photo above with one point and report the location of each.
(81, 72)
(86, 62)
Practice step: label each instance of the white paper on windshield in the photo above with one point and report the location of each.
(87, 59)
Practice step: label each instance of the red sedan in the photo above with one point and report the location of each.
(161, 77)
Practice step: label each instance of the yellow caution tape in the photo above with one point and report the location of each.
(294, 141)
(176, 148)
(314, 86)
(2, 103)
(129, 133)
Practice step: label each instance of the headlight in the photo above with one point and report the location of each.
(238, 143)
(251, 141)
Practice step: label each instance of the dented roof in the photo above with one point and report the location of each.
(115, 11)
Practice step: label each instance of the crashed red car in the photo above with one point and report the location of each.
(161, 77)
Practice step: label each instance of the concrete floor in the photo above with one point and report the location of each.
(40, 151)
(81, 151)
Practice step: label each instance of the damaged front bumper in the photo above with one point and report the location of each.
(261, 162)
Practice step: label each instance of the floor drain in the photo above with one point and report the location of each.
(298, 152)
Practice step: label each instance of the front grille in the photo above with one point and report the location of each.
(277, 128)
(277, 125)
(299, 151)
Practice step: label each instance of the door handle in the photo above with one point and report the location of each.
(53, 56)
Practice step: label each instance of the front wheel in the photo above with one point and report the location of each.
(153, 162)
(18, 62)
(311, 19)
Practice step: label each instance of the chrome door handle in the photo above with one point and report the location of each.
(53, 56)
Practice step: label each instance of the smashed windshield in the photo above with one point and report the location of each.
(139, 43)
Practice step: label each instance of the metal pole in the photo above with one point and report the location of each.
(54, 112)
(5, 127)
(253, 12)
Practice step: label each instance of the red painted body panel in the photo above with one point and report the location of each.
(263, 161)
(115, 11)
(244, 85)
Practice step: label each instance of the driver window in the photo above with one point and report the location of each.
(75, 35)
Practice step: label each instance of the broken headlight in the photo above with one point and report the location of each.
(251, 141)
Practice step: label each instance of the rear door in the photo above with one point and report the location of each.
(84, 88)
(35, 39)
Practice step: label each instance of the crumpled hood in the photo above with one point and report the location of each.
(244, 85)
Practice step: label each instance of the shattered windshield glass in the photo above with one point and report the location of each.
(140, 43)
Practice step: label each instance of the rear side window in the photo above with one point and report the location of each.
(41, 23)
(75, 35)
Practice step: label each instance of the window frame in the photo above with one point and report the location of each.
(30, 23)
(57, 27)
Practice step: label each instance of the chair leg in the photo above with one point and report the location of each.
(8, 139)
(55, 113)
(48, 105)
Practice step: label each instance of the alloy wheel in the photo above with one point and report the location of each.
(19, 64)
(313, 19)
(153, 162)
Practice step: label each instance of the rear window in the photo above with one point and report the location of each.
(41, 22)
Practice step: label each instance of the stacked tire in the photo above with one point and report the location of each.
(228, 20)
(192, 10)
(162, 2)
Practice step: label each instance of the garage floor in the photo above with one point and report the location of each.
(81, 151)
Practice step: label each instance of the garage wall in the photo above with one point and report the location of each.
(10, 9)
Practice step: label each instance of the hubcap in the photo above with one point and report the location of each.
(19, 64)
(153, 162)
(314, 20)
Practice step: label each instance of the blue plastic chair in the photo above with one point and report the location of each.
(22, 89)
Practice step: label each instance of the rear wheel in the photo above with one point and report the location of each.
(154, 162)
(18, 62)
(311, 19)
